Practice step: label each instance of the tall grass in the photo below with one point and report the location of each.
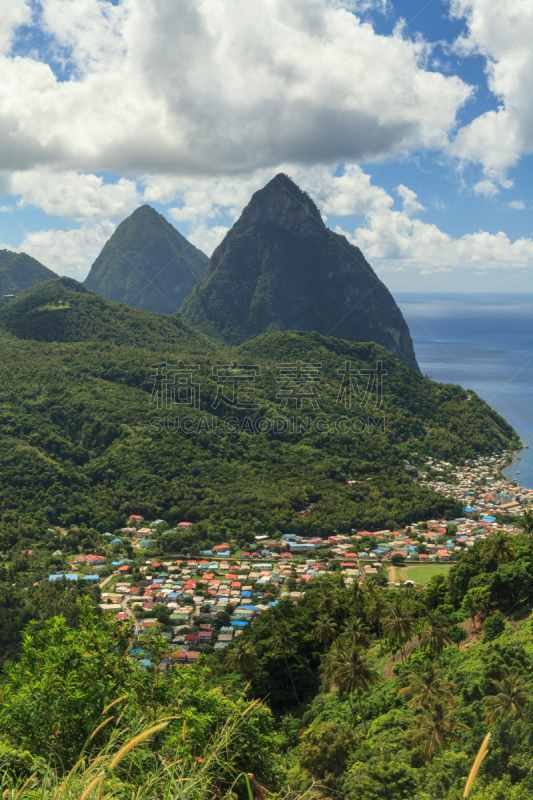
(131, 766)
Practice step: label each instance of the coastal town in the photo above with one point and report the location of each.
(202, 603)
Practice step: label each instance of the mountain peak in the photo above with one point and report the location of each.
(279, 268)
(282, 202)
(147, 264)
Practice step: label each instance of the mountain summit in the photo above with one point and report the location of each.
(147, 264)
(281, 268)
(19, 271)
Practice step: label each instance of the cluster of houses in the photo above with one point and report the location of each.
(479, 485)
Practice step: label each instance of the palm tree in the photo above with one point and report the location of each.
(327, 600)
(470, 608)
(525, 522)
(399, 622)
(324, 630)
(242, 656)
(500, 548)
(436, 727)
(283, 640)
(513, 694)
(348, 668)
(454, 590)
(356, 632)
(426, 686)
(436, 634)
(376, 611)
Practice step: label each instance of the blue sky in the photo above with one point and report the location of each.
(409, 123)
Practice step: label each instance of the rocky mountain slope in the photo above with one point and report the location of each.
(281, 268)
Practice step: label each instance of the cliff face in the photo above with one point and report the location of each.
(280, 268)
(147, 264)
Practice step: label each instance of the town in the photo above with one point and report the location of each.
(202, 603)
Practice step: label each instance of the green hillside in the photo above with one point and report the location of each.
(280, 268)
(18, 272)
(63, 310)
(147, 264)
(81, 441)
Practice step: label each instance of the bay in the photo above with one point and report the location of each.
(483, 342)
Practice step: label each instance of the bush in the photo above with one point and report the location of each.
(324, 749)
(493, 626)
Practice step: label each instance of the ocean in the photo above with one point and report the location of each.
(482, 342)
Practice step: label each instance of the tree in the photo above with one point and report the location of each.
(436, 634)
(470, 608)
(348, 668)
(500, 548)
(399, 622)
(283, 640)
(381, 780)
(327, 600)
(324, 749)
(493, 626)
(356, 632)
(525, 522)
(51, 700)
(426, 686)
(242, 656)
(513, 694)
(375, 610)
(324, 629)
(436, 727)
(397, 559)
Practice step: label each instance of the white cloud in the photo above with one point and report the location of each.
(486, 188)
(391, 239)
(218, 88)
(73, 195)
(410, 204)
(517, 205)
(502, 33)
(68, 252)
(13, 14)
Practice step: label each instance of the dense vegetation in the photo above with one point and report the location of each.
(79, 444)
(147, 264)
(19, 271)
(279, 268)
(357, 691)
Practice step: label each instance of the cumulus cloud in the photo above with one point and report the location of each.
(392, 238)
(502, 34)
(14, 13)
(220, 87)
(73, 195)
(68, 252)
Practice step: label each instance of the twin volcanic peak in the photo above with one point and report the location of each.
(280, 268)
(147, 264)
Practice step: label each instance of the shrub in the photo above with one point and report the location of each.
(493, 626)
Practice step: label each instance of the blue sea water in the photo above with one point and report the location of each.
(482, 342)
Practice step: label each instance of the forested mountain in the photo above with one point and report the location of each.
(281, 268)
(63, 310)
(357, 690)
(83, 437)
(19, 271)
(147, 264)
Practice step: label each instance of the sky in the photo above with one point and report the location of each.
(409, 123)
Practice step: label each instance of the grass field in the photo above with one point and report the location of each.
(422, 574)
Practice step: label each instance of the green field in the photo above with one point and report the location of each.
(422, 574)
